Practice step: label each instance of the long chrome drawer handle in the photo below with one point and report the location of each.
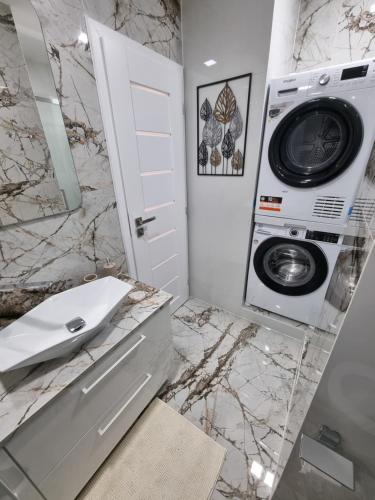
(103, 430)
(86, 390)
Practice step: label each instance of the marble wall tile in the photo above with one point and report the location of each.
(70, 245)
(154, 24)
(332, 32)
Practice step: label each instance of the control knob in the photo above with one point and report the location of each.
(324, 79)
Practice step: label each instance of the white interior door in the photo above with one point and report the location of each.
(141, 98)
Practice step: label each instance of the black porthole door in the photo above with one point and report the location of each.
(315, 142)
(290, 267)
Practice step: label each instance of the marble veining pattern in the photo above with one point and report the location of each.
(26, 391)
(154, 24)
(332, 32)
(68, 246)
(234, 379)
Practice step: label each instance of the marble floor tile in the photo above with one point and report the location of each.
(234, 379)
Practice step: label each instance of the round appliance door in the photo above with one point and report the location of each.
(315, 142)
(290, 267)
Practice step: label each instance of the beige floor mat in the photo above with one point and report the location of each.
(163, 457)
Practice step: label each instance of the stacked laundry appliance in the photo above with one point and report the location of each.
(318, 139)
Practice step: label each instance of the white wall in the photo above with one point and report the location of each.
(237, 35)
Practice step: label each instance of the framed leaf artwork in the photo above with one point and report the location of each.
(222, 114)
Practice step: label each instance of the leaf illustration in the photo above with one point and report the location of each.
(227, 146)
(215, 158)
(206, 110)
(237, 161)
(202, 154)
(236, 125)
(225, 105)
(212, 132)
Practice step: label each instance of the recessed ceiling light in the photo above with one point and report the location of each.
(256, 469)
(83, 38)
(269, 478)
(210, 62)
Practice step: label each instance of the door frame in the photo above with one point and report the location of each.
(100, 69)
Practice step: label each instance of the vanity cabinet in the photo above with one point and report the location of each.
(14, 485)
(62, 447)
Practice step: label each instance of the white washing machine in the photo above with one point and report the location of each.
(318, 136)
(290, 270)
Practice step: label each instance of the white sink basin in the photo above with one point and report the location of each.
(60, 324)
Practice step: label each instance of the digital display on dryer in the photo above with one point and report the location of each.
(322, 236)
(356, 72)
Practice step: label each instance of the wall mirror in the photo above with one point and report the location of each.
(37, 174)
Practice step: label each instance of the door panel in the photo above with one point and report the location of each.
(155, 152)
(149, 68)
(162, 246)
(142, 93)
(166, 271)
(151, 110)
(157, 189)
(165, 219)
(172, 287)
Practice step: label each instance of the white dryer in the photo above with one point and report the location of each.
(290, 269)
(318, 136)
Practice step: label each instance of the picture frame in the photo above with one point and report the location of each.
(222, 124)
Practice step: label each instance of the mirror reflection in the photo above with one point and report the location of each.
(37, 174)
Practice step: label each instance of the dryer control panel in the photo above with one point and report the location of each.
(342, 77)
(319, 81)
(297, 232)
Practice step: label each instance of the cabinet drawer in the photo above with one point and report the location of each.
(14, 485)
(56, 430)
(69, 477)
